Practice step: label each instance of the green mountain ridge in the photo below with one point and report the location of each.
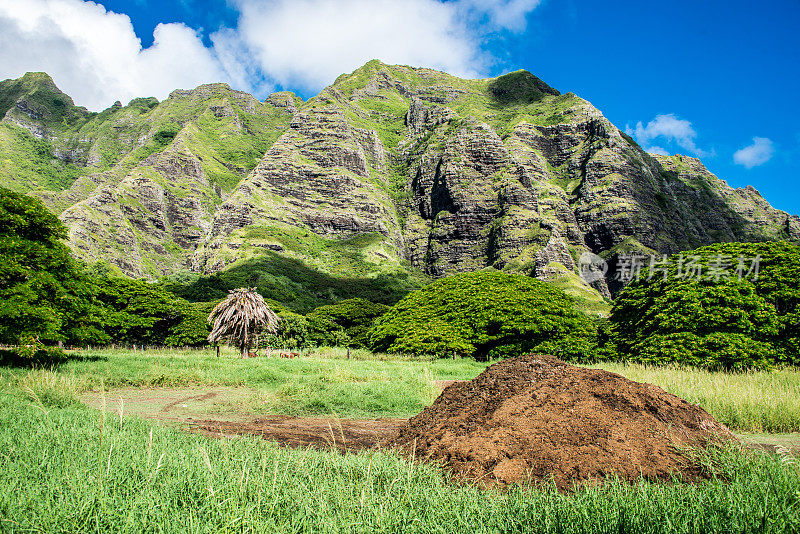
(392, 171)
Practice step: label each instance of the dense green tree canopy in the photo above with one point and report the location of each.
(735, 307)
(292, 331)
(486, 314)
(347, 322)
(137, 311)
(43, 291)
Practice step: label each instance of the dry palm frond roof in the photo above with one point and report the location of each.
(241, 315)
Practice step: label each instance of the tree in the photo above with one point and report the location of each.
(739, 308)
(44, 293)
(137, 311)
(240, 318)
(292, 331)
(349, 320)
(193, 328)
(486, 314)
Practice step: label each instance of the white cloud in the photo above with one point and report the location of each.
(758, 153)
(668, 128)
(308, 43)
(658, 150)
(498, 14)
(95, 56)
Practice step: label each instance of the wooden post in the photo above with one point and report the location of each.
(217, 351)
(348, 353)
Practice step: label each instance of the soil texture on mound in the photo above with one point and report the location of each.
(534, 417)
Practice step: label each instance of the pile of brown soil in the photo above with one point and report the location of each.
(535, 417)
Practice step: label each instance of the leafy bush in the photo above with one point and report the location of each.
(166, 134)
(486, 314)
(346, 323)
(727, 318)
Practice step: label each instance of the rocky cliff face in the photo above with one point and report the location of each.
(442, 174)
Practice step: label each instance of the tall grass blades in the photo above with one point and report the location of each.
(752, 401)
(155, 478)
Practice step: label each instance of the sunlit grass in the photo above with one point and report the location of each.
(752, 401)
(378, 385)
(78, 470)
(325, 382)
(66, 467)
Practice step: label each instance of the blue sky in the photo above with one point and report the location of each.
(718, 80)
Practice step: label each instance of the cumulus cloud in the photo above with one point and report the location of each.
(94, 54)
(308, 43)
(755, 154)
(667, 128)
(498, 14)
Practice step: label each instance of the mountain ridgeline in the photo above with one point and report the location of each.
(394, 173)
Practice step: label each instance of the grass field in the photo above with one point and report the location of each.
(381, 386)
(66, 467)
(753, 401)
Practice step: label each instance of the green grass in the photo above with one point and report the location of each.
(752, 401)
(77, 470)
(379, 385)
(392, 387)
(66, 467)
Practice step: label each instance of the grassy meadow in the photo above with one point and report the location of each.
(377, 385)
(69, 468)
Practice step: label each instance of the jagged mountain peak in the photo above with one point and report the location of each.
(514, 87)
(409, 170)
(33, 80)
(35, 102)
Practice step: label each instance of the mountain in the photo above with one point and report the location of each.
(392, 171)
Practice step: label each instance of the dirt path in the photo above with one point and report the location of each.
(177, 404)
(320, 432)
(228, 411)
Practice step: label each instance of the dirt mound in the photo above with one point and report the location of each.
(533, 417)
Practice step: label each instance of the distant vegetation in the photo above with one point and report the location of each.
(345, 323)
(292, 283)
